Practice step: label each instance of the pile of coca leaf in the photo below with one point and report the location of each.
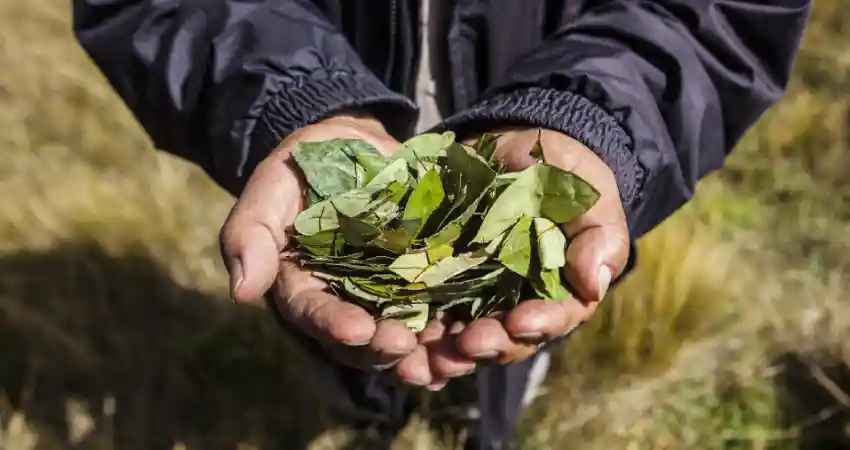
(439, 226)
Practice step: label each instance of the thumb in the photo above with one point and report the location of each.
(594, 257)
(255, 231)
(599, 239)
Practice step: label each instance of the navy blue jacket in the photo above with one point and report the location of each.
(660, 89)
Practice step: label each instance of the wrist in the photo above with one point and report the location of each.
(356, 118)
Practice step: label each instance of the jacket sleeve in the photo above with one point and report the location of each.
(221, 82)
(660, 89)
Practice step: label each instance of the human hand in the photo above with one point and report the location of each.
(256, 234)
(598, 251)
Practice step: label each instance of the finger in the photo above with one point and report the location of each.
(443, 357)
(487, 339)
(541, 320)
(254, 233)
(391, 341)
(599, 239)
(413, 369)
(321, 315)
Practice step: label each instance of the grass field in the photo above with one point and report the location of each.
(116, 333)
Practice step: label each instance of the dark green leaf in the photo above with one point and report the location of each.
(356, 232)
(326, 243)
(395, 241)
(474, 170)
(486, 145)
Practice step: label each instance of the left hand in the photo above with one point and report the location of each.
(598, 251)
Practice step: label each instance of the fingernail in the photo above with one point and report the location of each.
(529, 336)
(437, 387)
(236, 277)
(463, 374)
(385, 366)
(357, 343)
(412, 383)
(486, 355)
(603, 281)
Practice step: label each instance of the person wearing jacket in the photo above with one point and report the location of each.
(642, 98)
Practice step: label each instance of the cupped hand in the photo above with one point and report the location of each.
(255, 236)
(598, 251)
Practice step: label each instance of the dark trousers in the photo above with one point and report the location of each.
(498, 399)
(498, 396)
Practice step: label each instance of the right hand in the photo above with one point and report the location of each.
(255, 235)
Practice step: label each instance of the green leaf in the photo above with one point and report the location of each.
(326, 243)
(350, 267)
(550, 286)
(551, 243)
(449, 267)
(516, 251)
(395, 241)
(336, 166)
(457, 301)
(322, 216)
(427, 146)
(439, 252)
(356, 232)
(537, 148)
(372, 161)
(486, 145)
(509, 288)
(426, 198)
(410, 265)
(474, 170)
(415, 316)
(567, 195)
(488, 279)
(479, 177)
(505, 179)
(352, 289)
(539, 190)
(395, 171)
(380, 212)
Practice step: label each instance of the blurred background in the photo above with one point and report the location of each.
(116, 331)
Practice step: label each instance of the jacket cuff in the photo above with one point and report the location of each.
(569, 113)
(311, 100)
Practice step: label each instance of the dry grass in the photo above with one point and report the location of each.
(115, 331)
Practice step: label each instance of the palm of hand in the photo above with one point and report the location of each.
(255, 235)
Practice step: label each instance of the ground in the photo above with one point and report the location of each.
(116, 331)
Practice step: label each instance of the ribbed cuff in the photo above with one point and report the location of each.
(569, 113)
(290, 106)
(317, 99)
